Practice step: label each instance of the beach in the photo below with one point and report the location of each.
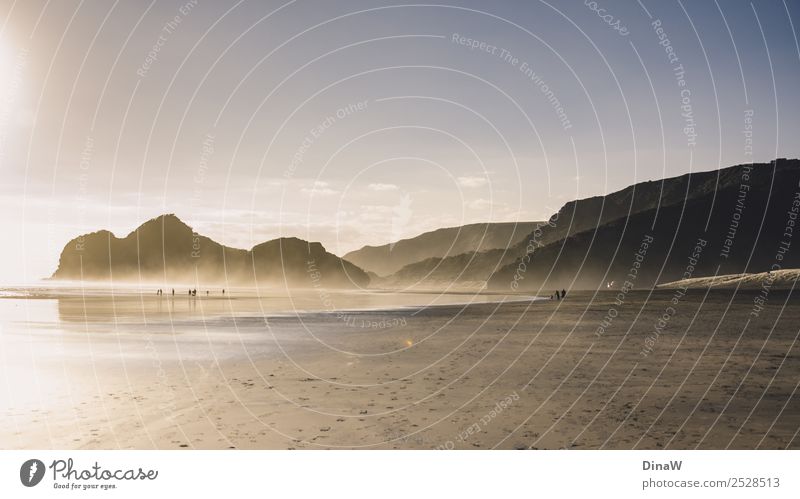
(652, 370)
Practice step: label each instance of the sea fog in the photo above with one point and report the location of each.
(134, 323)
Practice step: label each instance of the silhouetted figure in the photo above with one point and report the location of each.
(223, 292)
(563, 293)
(206, 292)
(173, 291)
(190, 292)
(194, 292)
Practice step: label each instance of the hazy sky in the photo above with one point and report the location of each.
(361, 122)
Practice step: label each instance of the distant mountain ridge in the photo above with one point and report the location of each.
(741, 212)
(736, 220)
(590, 243)
(165, 249)
(469, 270)
(389, 258)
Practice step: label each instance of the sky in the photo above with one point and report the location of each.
(363, 122)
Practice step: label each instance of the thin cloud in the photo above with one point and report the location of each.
(472, 181)
(382, 187)
(480, 204)
(319, 189)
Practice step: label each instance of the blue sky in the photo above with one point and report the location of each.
(359, 122)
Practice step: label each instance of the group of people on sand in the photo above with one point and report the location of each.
(192, 292)
(559, 295)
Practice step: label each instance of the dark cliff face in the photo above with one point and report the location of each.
(304, 264)
(739, 215)
(587, 214)
(165, 249)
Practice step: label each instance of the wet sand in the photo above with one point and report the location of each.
(583, 373)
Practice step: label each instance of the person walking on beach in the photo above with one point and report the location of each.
(563, 293)
(557, 295)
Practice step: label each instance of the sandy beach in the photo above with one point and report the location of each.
(586, 372)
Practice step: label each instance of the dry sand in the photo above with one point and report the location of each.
(511, 376)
